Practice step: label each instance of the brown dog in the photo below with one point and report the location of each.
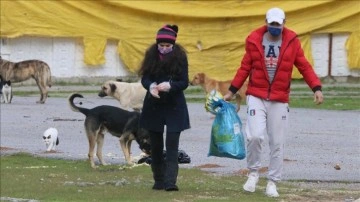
(24, 70)
(209, 84)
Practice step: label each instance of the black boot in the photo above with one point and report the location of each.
(171, 171)
(158, 175)
(157, 162)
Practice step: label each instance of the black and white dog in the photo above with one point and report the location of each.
(5, 91)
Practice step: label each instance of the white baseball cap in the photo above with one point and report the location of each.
(275, 15)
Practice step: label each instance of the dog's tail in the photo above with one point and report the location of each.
(76, 108)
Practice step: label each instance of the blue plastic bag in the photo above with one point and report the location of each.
(227, 139)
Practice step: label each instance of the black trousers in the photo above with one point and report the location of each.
(165, 170)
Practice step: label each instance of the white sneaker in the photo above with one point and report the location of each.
(271, 189)
(251, 182)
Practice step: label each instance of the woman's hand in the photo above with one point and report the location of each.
(164, 87)
(153, 90)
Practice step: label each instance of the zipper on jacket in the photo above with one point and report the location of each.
(262, 55)
(280, 60)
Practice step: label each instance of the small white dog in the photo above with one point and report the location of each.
(51, 139)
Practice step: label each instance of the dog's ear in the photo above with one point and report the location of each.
(112, 87)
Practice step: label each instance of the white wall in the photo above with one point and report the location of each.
(320, 50)
(65, 56)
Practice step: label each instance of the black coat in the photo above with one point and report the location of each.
(171, 109)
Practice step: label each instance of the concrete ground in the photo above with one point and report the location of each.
(318, 140)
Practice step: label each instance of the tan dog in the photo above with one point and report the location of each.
(130, 95)
(24, 70)
(208, 84)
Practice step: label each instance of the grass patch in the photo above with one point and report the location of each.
(195, 90)
(334, 103)
(84, 83)
(336, 97)
(59, 94)
(49, 179)
(329, 88)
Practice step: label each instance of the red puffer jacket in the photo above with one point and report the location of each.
(253, 65)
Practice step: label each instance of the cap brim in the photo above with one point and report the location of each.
(278, 20)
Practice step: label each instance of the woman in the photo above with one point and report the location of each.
(164, 73)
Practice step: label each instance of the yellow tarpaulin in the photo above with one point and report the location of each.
(94, 52)
(353, 49)
(213, 32)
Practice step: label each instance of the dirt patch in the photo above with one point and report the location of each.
(59, 119)
(6, 149)
(245, 171)
(321, 196)
(209, 165)
(289, 160)
(52, 152)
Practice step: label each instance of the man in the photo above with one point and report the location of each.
(271, 52)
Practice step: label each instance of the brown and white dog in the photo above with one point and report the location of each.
(130, 95)
(24, 70)
(209, 84)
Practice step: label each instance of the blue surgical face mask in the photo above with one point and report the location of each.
(274, 31)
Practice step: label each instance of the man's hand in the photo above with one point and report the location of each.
(228, 96)
(318, 97)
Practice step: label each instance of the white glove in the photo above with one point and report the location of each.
(154, 91)
(164, 86)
